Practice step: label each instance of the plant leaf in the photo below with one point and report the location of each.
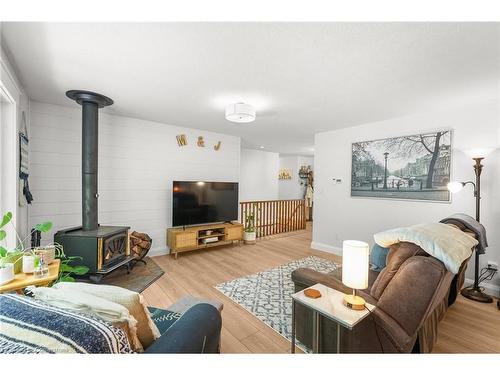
(6, 218)
(2, 234)
(44, 227)
(65, 268)
(67, 279)
(70, 259)
(80, 270)
(3, 251)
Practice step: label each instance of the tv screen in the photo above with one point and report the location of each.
(200, 202)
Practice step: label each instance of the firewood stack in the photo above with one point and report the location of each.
(140, 243)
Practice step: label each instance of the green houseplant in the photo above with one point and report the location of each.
(250, 231)
(10, 261)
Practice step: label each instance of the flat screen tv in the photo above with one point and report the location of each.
(202, 202)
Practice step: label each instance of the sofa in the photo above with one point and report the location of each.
(411, 295)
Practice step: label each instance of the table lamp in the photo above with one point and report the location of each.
(355, 258)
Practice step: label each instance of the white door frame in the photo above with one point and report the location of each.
(8, 160)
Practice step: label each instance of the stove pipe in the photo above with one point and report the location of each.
(90, 102)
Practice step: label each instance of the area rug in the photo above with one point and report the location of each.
(139, 278)
(267, 294)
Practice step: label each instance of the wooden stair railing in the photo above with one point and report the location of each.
(275, 216)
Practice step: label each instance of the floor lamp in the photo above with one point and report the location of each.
(473, 292)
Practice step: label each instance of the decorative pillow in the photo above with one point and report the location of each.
(147, 331)
(444, 242)
(89, 304)
(31, 326)
(378, 257)
(163, 319)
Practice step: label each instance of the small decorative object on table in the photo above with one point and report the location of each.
(312, 293)
(30, 262)
(47, 252)
(6, 273)
(42, 269)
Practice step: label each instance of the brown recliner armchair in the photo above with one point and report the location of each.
(411, 295)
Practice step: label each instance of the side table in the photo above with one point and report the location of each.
(23, 280)
(330, 306)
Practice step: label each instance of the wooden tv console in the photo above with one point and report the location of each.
(197, 237)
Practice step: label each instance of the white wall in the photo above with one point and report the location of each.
(292, 189)
(337, 216)
(138, 160)
(258, 175)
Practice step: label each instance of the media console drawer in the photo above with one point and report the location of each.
(186, 239)
(195, 238)
(234, 233)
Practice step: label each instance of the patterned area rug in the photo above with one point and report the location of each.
(267, 294)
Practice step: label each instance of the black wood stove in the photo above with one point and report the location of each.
(103, 248)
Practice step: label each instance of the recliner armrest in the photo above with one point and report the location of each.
(197, 331)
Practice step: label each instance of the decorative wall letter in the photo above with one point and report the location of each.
(217, 146)
(181, 140)
(201, 141)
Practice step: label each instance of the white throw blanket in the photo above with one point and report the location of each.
(444, 242)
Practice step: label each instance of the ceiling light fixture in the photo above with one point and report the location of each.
(240, 112)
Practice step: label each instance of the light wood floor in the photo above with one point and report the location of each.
(467, 327)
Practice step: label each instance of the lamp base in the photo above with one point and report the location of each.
(476, 295)
(354, 302)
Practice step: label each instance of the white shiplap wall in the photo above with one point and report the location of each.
(138, 160)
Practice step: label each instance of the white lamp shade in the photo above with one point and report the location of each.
(455, 186)
(355, 258)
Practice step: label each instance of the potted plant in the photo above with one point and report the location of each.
(6, 273)
(6, 260)
(250, 232)
(23, 258)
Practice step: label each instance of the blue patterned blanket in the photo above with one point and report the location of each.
(30, 326)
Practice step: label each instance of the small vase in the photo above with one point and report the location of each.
(6, 273)
(30, 262)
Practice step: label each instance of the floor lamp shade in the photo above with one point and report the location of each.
(355, 258)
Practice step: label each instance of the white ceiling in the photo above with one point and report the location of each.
(303, 78)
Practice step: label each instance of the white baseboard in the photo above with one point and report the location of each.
(159, 251)
(326, 248)
(491, 289)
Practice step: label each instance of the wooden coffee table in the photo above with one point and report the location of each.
(23, 280)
